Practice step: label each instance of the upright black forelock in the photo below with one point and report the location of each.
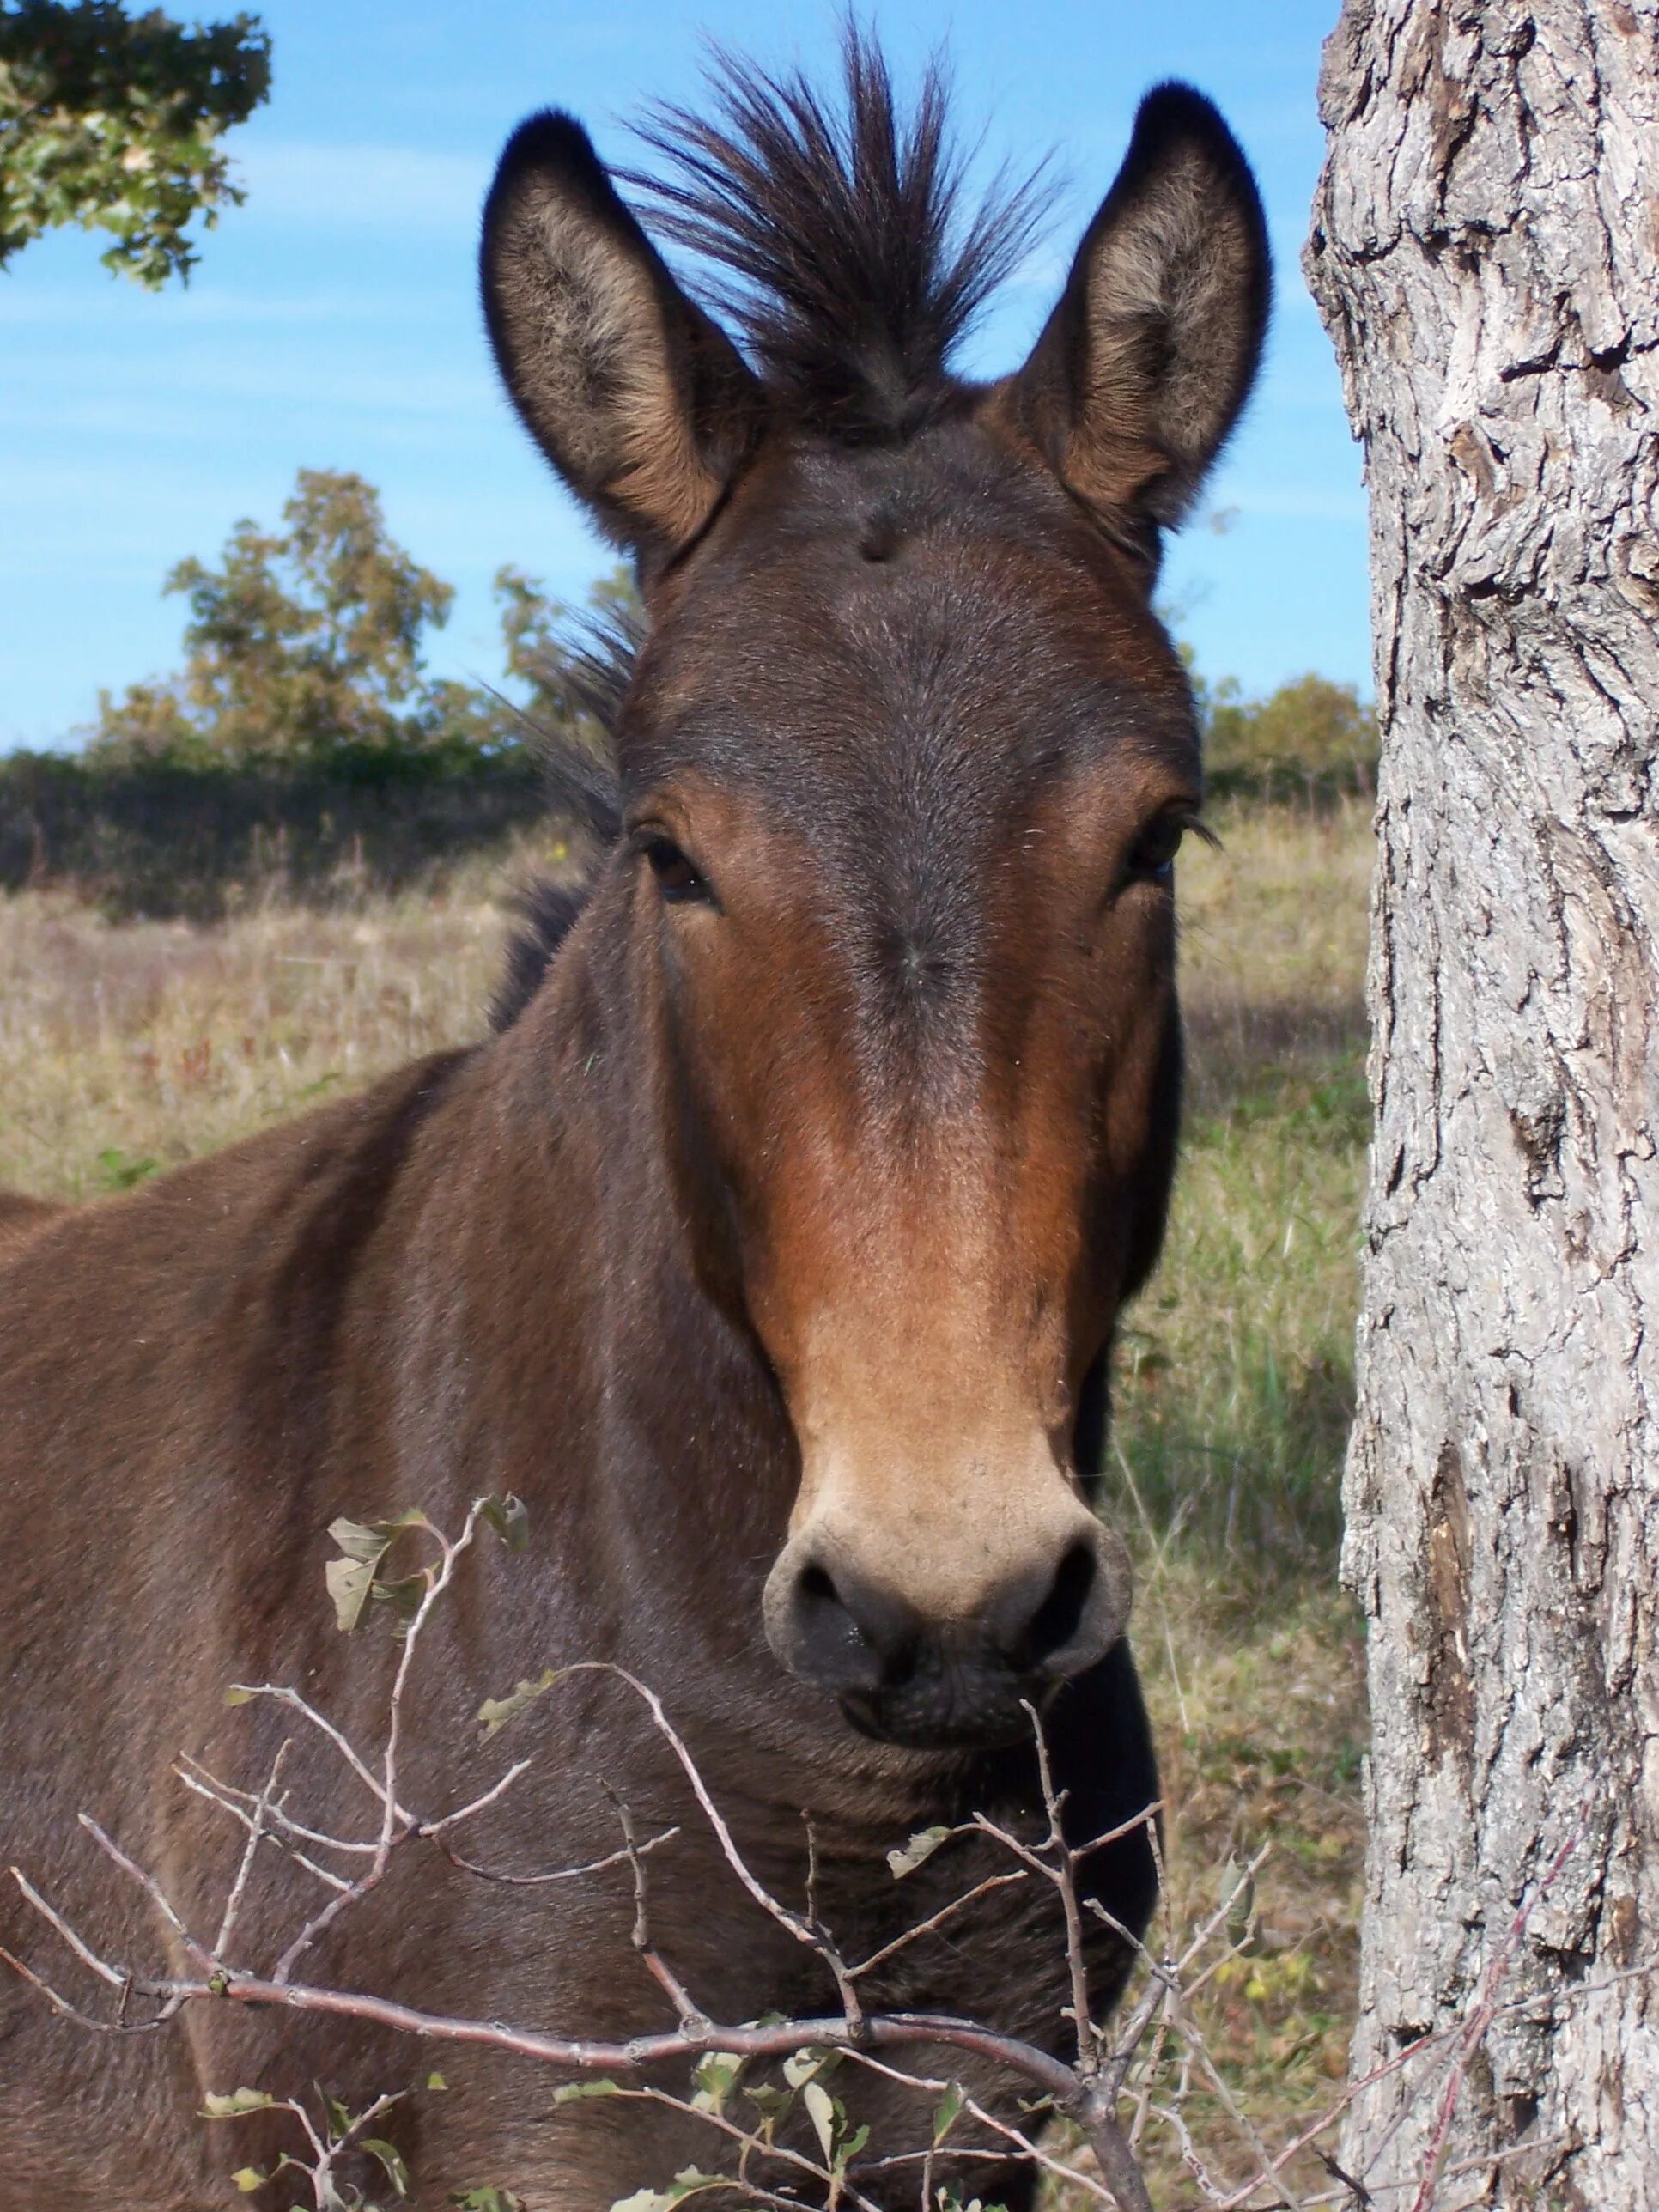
(850, 267)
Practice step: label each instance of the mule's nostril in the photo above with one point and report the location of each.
(832, 1642)
(1057, 1621)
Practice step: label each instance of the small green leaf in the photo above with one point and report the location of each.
(917, 1852)
(1237, 1887)
(339, 2119)
(495, 1713)
(808, 2065)
(821, 2111)
(238, 1695)
(714, 2076)
(391, 2159)
(403, 1597)
(234, 2103)
(436, 2082)
(769, 2101)
(946, 2112)
(567, 2093)
(510, 1518)
(119, 1170)
(247, 2179)
(355, 1579)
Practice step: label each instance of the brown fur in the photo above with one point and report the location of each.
(20, 1220)
(771, 1253)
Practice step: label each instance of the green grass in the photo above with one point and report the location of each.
(1235, 1382)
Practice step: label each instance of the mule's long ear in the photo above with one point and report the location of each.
(1142, 367)
(639, 401)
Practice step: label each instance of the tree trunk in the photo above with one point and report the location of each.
(1486, 256)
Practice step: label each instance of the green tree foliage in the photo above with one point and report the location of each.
(113, 121)
(302, 642)
(305, 644)
(1311, 732)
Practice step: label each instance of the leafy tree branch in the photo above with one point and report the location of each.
(113, 121)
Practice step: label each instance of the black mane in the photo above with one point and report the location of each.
(850, 269)
(579, 759)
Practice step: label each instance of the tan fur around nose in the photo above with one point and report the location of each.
(926, 1403)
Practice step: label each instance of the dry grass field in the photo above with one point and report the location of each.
(126, 1048)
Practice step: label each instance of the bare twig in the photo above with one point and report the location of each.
(1086, 2090)
(255, 1830)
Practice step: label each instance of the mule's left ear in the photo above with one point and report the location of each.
(1142, 367)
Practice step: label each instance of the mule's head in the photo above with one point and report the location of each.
(905, 764)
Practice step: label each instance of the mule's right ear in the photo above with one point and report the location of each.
(638, 398)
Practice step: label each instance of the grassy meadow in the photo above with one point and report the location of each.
(127, 1048)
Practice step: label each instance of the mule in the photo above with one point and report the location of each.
(771, 1247)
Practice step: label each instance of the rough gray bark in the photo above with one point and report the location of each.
(1485, 255)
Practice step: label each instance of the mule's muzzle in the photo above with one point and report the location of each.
(929, 1684)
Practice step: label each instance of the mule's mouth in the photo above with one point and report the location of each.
(947, 1708)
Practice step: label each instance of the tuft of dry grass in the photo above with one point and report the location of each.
(127, 1048)
(1274, 923)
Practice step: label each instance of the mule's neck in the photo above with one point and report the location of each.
(618, 1387)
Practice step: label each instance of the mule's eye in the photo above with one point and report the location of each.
(676, 877)
(1152, 855)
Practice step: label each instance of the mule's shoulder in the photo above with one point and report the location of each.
(21, 1219)
(157, 1264)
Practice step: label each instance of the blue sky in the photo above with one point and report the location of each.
(333, 321)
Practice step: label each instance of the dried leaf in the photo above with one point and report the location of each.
(510, 1518)
(917, 1852)
(234, 2104)
(391, 2159)
(569, 2091)
(495, 1713)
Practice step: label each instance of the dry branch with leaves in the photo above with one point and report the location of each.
(765, 2090)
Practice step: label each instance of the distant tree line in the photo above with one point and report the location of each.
(306, 646)
(304, 746)
(1310, 736)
